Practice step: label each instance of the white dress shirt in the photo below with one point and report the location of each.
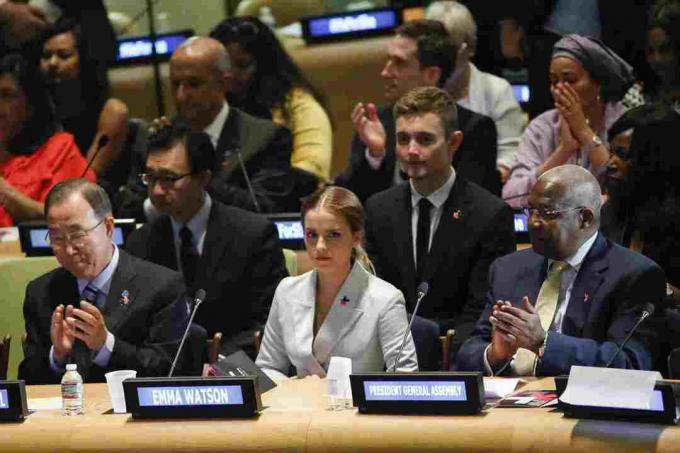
(437, 199)
(214, 129)
(198, 225)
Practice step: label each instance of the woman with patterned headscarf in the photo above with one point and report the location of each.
(587, 82)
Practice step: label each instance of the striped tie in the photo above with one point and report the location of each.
(90, 294)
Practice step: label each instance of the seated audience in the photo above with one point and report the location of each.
(340, 308)
(234, 255)
(254, 154)
(421, 54)
(479, 91)
(572, 298)
(267, 83)
(587, 82)
(102, 309)
(439, 227)
(80, 98)
(34, 155)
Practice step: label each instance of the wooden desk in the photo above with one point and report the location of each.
(296, 420)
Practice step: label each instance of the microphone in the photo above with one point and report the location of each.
(102, 142)
(198, 299)
(421, 292)
(247, 178)
(646, 313)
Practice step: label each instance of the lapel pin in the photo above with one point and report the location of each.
(586, 298)
(344, 301)
(125, 297)
(457, 214)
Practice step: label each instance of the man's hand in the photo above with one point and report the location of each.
(88, 325)
(21, 22)
(521, 324)
(61, 334)
(503, 345)
(457, 85)
(370, 129)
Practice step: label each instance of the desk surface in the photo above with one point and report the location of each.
(296, 419)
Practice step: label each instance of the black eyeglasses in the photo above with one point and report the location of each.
(149, 179)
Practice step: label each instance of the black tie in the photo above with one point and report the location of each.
(188, 256)
(423, 235)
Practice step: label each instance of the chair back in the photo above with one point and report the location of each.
(15, 273)
(4, 355)
(428, 346)
(674, 364)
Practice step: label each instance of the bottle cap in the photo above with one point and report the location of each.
(71, 367)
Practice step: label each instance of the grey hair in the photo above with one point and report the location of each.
(457, 20)
(220, 60)
(578, 188)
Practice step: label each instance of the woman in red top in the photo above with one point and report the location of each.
(34, 155)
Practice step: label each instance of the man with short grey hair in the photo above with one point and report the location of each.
(572, 298)
(254, 153)
(102, 309)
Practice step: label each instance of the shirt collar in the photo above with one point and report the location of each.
(198, 223)
(439, 196)
(577, 258)
(214, 129)
(102, 281)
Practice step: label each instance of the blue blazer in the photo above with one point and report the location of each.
(366, 324)
(610, 290)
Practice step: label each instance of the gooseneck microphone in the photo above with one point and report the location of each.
(646, 313)
(102, 142)
(247, 178)
(421, 292)
(198, 299)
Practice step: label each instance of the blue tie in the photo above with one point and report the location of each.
(90, 294)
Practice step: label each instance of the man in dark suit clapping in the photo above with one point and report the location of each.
(439, 227)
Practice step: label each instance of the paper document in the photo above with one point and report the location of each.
(499, 388)
(610, 387)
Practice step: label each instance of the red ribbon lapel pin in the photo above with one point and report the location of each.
(457, 214)
(344, 301)
(586, 298)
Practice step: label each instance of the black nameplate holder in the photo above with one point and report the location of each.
(13, 405)
(418, 393)
(665, 408)
(192, 397)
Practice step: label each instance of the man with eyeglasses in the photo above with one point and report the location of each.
(233, 254)
(572, 298)
(103, 309)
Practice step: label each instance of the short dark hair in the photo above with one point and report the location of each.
(200, 150)
(435, 46)
(95, 196)
(422, 100)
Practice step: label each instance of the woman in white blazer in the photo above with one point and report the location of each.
(338, 309)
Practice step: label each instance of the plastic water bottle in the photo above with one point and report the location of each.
(72, 391)
(267, 17)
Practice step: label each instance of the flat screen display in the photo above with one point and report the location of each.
(4, 400)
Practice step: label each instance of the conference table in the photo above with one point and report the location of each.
(296, 418)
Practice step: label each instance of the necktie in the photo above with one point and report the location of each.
(188, 256)
(423, 236)
(546, 304)
(89, 294)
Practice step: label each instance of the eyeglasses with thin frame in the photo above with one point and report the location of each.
(149, 179)
(548, 214)
(75, 238)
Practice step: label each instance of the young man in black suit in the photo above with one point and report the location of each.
(233, 254)
(131, 314)
(420, 54)
(439, 227)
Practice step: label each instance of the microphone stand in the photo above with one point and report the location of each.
(155, 63)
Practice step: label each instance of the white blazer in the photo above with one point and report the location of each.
(366, 324)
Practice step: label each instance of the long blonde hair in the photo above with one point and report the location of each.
(344, 203)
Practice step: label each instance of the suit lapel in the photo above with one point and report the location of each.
(122, 293)
(452, 227)
(404, 236)
(345, 312)
(236, 138)
(216, 241)
(588, 281)
(302, 309)
(164, 244)
(529, 284)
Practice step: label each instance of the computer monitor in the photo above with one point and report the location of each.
(290, 229)
(138, 50)
(33, 236)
